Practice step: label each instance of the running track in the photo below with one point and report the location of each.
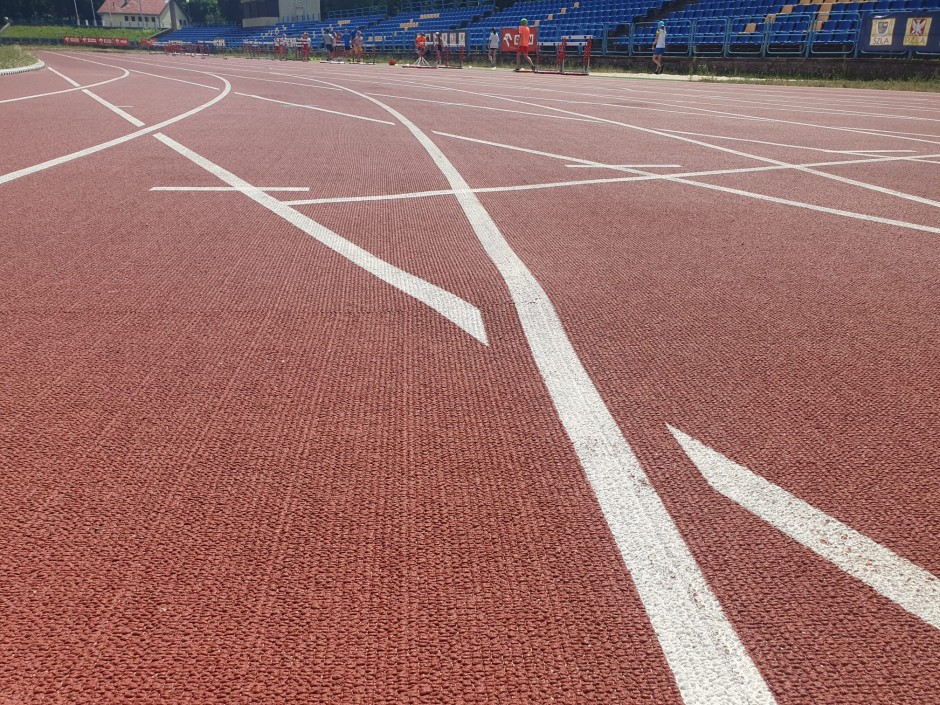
(353, 384)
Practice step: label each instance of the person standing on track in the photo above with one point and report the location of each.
(358, 43)
(659, 46)
(328, 43)
(525, 43)
(493, 45)
(439, 49)
(420, 44)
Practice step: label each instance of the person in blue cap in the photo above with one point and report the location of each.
(659, 46)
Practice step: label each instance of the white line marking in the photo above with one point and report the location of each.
(728, 150)
(66, 78)
(892, 576)
(174, 67)
(229, 188)
(68, 90)
(143, 73)
(789, 146)
(13, 175)
(783, 165)
(705, 654)
(364, 199)
(685, 108)
(311, 107)
(624, 166)
(463, 314)
(813, 207)
(482, 107)
(115, 109)
(563, 184)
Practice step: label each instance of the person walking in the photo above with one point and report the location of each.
(659, 46)
(525, 43)
(358, 43)
(439, 49)
(493, 45)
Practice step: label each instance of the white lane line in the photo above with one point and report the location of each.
(783, 166)
(204, 72)
(266, 189)
(813, 207)
(714, 187)
(143, 73)
(683, 109)
(311, 107)
(624, 166)
(18, 174)
(113, 108)
(890, 575)
(564, 184)
(66, 78)
(708, 660)
(365, 199)
(481, 107)
(463, 314)
(766, 160)
(68, 90)
(789, 146)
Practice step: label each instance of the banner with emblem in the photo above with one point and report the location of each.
(917, 31)
(900, 33)
(882, 31)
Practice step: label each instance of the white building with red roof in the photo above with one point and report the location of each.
(146, 14)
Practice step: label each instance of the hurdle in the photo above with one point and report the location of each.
(458, 42)
(420, 62)
(583, 42)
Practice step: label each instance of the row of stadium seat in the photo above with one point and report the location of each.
(749, 22)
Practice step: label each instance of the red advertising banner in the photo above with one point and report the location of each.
(148, 43)
(509, 39)
(98, 41)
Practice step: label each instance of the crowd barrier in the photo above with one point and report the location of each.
(793, 34)
(911, 34)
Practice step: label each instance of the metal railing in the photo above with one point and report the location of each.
(775, 35)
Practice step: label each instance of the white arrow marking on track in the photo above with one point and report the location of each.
(459, 312)
(890, 575)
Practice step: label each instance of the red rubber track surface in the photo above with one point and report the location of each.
(238, 468)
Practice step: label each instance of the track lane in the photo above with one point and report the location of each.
(639, 327)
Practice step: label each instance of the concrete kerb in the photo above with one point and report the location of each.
(23, 69)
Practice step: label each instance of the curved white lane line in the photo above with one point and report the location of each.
(708, 660)
(890, 575)
(13, 175)
(110, 106)
(69, 90)
(142, 73)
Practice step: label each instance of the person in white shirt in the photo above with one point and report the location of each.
(493, 45)
(659, 46)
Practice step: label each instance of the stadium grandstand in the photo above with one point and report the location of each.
(725, 28)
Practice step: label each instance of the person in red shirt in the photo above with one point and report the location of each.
(420, 42)
(525, 43)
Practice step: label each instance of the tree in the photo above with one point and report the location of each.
(231, 11)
